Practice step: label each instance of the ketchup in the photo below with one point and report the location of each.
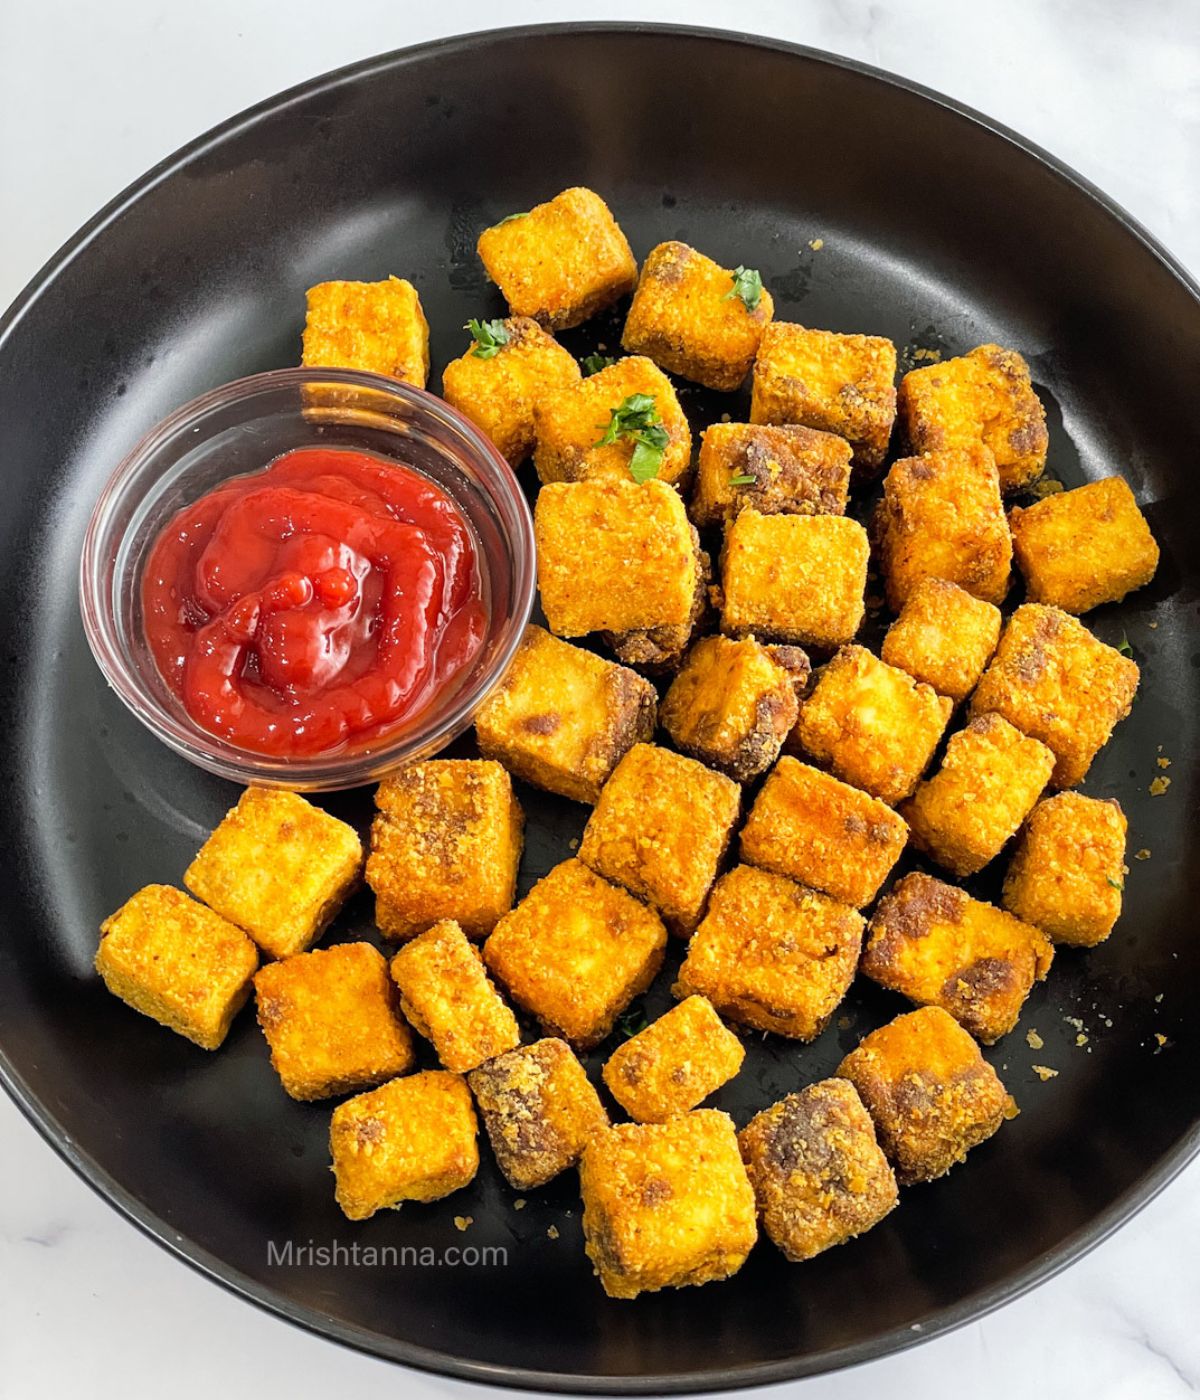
(314, 605)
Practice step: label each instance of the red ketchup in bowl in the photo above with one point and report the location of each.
(315, 605)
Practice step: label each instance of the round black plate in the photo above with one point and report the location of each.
(938, 230)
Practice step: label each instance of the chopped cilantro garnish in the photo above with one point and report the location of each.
(489, 337)
(742, 479)
(1116, 884)
(1123, 645)
(508, 218)
(593, 364)
(636, 418)
(747, 285)
(631, 1022)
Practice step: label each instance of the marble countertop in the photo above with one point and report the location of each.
(90, 96)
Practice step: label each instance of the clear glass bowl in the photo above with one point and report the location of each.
(239, 428)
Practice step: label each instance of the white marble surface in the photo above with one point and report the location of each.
(92, 95)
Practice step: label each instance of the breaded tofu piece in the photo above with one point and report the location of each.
(822, 832)
(931, 1093)
(277, 867)
(818, 1172)
(661, 649)
(1085, 547)
(785, 470)
(843, 384)
(937, 946)
(794, 578)
(688, 317)
(330, 1018)
(941, 516)
(570, 422)
(539, 1109)
(990, 778)
(944, 637)
(734, 702)
(562, 718)
(445, 844)
(497, 389)
(376, 326)
(561, 262)
(447, 996)
(982, 397)
(177, 962)
(661, 828)
(614, 556)
(1057, 683)
(1068, 872)
(771, 954)
(413, 1139)
(871, 724)
(666, 1205)
(575, 952)
(674, 1064)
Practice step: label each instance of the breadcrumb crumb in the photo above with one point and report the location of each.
(1033, 1040)
(1159, 786)
(1044, 1072)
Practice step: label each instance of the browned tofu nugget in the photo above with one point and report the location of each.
(376, 326)
(784, 470)
(944, 637)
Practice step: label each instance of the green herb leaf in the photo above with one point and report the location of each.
(742, 479)
(508, 218)
(593, 364)
(489, 337)
(1123, 645)
(636, 418)
(1116, 884)
(631, 1022)
(747, 285)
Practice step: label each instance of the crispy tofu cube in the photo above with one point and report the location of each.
(562, 718)
(660, 650)
(794, 578)
(575, 952)
(539, 1109)
(771, 954)
(330, 1019)
(445, 844)
(376, 326)
(1068, 871)
(666, 1205)
(413, 1139)
(937, 946)
(943, 637)
(177, 962)
(561, 262)
(931, 1093)
(1057, 683)
(1085, 547)
(498, 392)
(824, 833)
(448, 998)
(675, 1063)
(686, 317)
(843, 384)
(983, 397)
(277, 867)
(661, 828)
(785, 470)
(818, 1172)
(870, 724)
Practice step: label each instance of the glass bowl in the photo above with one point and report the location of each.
(239, 428)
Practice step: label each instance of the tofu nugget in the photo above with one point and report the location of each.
(944, 637)
(660, 649)
(786, 470)
(376, 326)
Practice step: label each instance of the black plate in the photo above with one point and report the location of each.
(941, 231)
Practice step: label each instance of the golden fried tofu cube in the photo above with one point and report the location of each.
(818, 1172)
(561, 262)
(445, 844)
(931, 1093)
(934, 944)
(985, 396)
(783, 470)
(412, 1139)
(661, 828)
(660, 650)
(1057, 683)
(870, 724)
(794, 578)
(687, 317)
(447, 997)
(177, 962)
(331, 1021)
(666, 1205)
(376, 326)
(675, 1063)
(772, 954)
(944, 637)
(1085, 547)
(822, 832)
(575, 952)
(614, 556)
(499, 391)
(843, 384)
(277, 867)
(1068, 872)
